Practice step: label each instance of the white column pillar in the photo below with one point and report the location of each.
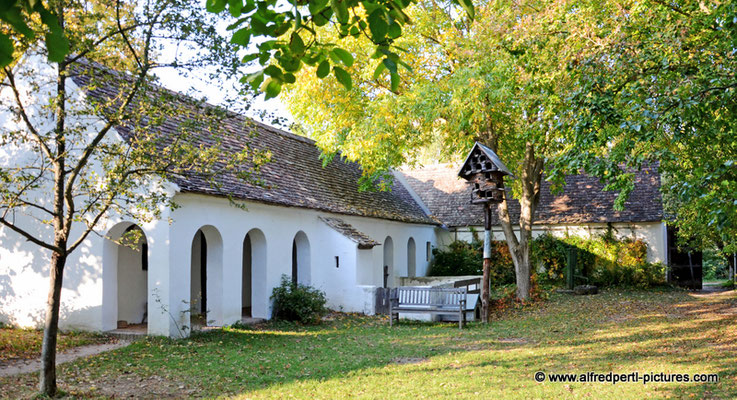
(163, 313)
(232, 277)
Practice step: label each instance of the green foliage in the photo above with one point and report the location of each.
(464, 258)
(660, 87)
(19, 16)
(714, 265)
(288, 38)
(549, 252)
(297, 302)
(604, 261)
(470, 82)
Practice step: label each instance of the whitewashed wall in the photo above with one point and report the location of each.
(89, 298)
(228, 226)
(653, 233)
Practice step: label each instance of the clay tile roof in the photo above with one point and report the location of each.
(347, 230)
(294, 177)
(583, 199)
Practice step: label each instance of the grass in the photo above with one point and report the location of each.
(361, 357)
(25, 344)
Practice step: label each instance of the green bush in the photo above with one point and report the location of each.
(715, 265)
(466, 258)
(604, 261)
(550, 253)
(297, 302)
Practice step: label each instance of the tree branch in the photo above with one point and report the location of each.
(29, 237)
(24, 115)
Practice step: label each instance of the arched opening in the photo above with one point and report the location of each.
(206, 279)
(411, 258)
(388, 269)
(125, 278)
(301, 259)
(254, 298)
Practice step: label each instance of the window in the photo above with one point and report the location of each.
(337, 262)
(428, 251)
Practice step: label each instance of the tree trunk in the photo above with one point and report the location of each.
(519, 248)
(47, 383)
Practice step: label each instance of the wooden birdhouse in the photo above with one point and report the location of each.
(485, 171)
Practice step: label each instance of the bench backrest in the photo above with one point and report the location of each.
(420, 296)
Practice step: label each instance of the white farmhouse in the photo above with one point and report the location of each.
(306, 221)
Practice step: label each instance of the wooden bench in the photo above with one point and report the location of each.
(407, 299)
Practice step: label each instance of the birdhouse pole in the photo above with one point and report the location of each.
(485, 172)
(486, 280)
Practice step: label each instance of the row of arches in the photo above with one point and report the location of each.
(207, 279)
(390, 275)
(129, 246)
(127, 255)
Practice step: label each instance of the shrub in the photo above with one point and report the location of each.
(297, 302)
(549, 253)
(466, 258)
(715, 265)
(605, 261)
(505, 296)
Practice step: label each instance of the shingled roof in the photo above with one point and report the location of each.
(582, 201)
(294, 177)
(347, 230)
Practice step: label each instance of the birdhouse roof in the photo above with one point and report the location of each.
(482, 159)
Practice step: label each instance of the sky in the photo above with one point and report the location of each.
(173, 81)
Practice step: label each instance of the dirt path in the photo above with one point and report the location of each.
(711, 288)
(16, 367)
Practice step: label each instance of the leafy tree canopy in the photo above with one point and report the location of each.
(660, 86)
(501, 79)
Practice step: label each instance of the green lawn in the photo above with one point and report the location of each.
(352, 356)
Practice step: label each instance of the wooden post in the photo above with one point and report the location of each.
(571, 268)
(486, 281)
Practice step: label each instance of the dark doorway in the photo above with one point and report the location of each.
(294, 262)
(203, 273)
(684, 264)
(246, 284)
